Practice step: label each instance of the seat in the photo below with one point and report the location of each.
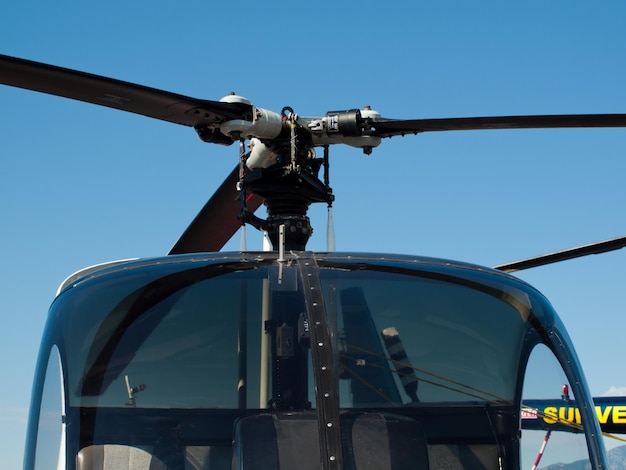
(117, 457)
(290, 440)
(459, 457)
(208, 457)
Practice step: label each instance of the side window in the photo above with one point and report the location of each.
(551, 429)
(51, 430)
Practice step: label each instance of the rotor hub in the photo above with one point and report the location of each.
(288, 195)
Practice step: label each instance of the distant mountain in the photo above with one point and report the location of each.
(616, 460)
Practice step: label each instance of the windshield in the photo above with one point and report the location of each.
(415, 338)
(180, 335)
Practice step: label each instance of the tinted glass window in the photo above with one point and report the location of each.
(177, 346)
(182, 336)
(405, 338)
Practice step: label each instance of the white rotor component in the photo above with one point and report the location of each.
(265, 124)
(260, 156)
(232, 98)
(363, 141)
(368, 112)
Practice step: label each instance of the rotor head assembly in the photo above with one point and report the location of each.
(281, 168)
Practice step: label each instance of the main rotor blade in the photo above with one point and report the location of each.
(217, 221)
(117, 94)
(591, 249)
(393, 127)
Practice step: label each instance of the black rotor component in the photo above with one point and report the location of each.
(288, 195)
(291, 213)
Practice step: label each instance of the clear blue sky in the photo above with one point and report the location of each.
(81, 185)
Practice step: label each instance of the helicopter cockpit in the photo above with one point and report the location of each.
(307, 360)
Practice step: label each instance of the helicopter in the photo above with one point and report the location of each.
(290, 358)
